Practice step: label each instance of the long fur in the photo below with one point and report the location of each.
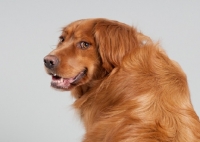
(134, 92)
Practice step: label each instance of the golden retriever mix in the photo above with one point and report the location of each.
(126, 87)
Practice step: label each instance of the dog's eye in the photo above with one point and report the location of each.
(84, 45)
(61, 39)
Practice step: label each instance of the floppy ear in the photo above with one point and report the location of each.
(114, 40)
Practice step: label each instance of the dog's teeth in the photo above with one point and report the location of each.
(54, 75)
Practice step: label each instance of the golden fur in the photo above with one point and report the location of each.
(132, 91)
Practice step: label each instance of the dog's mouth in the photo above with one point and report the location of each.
(59, 82)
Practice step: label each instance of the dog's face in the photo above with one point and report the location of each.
(89, 50)
(75, 61)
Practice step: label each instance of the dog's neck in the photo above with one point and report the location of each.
(93, 100)
(84, 96)
(93, 87)
(79, 91)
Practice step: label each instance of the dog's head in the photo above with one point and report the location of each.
(89, 50)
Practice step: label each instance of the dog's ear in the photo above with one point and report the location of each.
(114, 40)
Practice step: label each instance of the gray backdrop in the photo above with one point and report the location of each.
(31, 111)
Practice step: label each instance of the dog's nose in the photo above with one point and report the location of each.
(51, 61)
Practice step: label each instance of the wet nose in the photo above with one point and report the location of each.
(51, 61)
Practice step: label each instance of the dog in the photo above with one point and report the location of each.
(125, 86)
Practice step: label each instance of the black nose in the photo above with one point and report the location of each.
(51, 61)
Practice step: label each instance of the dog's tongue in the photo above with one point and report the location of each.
(59, 82)
(64, 83)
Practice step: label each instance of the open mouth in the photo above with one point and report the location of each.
(66, 83)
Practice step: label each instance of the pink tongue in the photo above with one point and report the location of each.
(61, 82)
(65, 82)
(69, 80)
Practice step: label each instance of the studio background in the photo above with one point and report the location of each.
(31, 111)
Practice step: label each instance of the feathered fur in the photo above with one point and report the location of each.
(132, 92)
